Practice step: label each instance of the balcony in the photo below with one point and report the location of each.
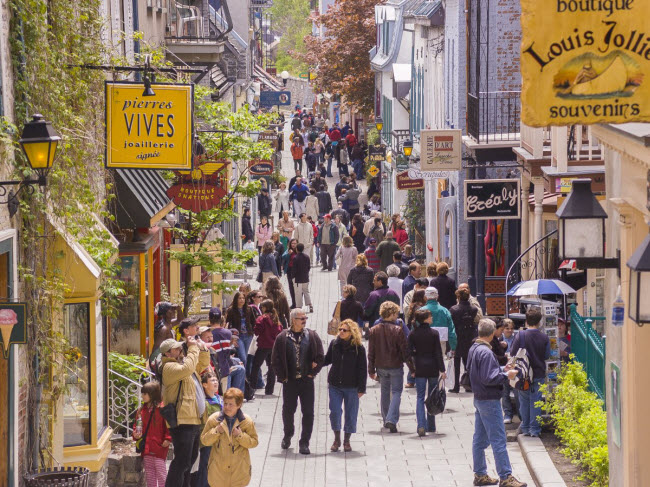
(493, 118)
(196, 30)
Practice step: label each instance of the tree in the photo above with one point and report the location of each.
(292, 22)
(340, 59)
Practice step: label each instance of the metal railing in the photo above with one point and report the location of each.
(539, 261)
(124, 397)
(589, 349)
(493, 116)
(198, 21)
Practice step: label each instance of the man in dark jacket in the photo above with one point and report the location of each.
(464, 316)
(264, 203)
(385, 251)
(296, 359)
(324, 201)
(403, 267)
(387, 353)
(487, 379)
(296, 123)
(350, 200)
(379, 296)
(328, 239)
(445, 285)
(409, 281)
(300, 272)
(345, 216)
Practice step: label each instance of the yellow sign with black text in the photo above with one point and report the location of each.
(149, 132)
(585, 61)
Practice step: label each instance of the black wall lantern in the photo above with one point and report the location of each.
(407, 147)
(39, 142)
(639, 298)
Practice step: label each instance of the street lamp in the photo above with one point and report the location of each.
(582, 228)
(407, 147)
(285, 76)
(39, 142)
(379, 123)
(639, 264)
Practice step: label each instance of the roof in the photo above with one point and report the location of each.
(427, 9)
(266, 78)
(411, 6)
(141, 197)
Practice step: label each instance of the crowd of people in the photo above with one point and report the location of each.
(394, 313)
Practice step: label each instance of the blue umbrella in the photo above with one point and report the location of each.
(539, 287)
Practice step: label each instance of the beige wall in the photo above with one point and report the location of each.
(152, 21)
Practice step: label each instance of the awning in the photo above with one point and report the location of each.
(266, 78)
(549, 200)
(141, 198)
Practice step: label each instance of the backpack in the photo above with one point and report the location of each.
(521, 364)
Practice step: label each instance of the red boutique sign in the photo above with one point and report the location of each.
(405, 182)
(201, 189)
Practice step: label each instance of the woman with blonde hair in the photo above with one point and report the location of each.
(346, 381)
(361, 277)
(286, 228)
(346, 257)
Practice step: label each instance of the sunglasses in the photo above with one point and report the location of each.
(302, 318)
(344, 330)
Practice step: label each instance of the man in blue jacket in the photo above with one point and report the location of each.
(487, 379)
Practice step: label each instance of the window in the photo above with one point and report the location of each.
(76, 398)
(101, 370)
(448, 239)
(125, 328)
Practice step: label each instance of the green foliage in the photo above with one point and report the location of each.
(291, 21)
(373, 136)
(580, 423)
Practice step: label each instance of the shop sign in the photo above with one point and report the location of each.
(12, 325)
(440, 150)
(260, 167)
(152, 132)
(275, 98)
(202, 189)
(270, 137)
(405, 182)
(585, 61)
(373, 171)
(486, 199)
(376, 153)
(415, 173)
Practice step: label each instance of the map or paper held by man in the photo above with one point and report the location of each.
(443, 331)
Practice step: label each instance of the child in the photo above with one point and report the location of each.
(231, 433)
(213, 405)
(506, 339)
(508, 333)
(150, 423)
(407, 256)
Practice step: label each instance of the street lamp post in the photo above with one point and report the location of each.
(285, 76)
(39, 142)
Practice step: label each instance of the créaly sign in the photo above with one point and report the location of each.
(153, 132)
(585, 61)
(492, 198)
(440, 150)
(404, 181)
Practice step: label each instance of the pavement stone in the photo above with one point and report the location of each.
(379, 458)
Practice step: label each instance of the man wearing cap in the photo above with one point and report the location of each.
(328, 238)
(385, 251)
(371, 255)
(221, 338)
(182, 386)
(379, 296)
(441, 318)
(162, 330)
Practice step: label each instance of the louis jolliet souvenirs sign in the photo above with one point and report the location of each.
(585, 61)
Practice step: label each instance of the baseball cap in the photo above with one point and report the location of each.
(328, 216)
(431, 293)
(185, 323)
(168, 344)
(373, 240)
(214, 314)
(203, 329)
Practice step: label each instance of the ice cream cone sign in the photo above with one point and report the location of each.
(8, 318)
(12, 325)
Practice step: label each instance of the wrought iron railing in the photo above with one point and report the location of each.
(589, 349)
(493, 116)
(539, 261)
(124, 397)
(198, 21)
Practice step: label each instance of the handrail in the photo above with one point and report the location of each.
(518, 259)
(132, 365)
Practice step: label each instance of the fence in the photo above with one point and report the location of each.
(493, 116)
(589, 349)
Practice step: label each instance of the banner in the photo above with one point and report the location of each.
(486, 199)
(149, 132)
(585, 61)
(404, 181)
(440, 150)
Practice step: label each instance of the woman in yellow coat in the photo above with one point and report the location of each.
(231, 434)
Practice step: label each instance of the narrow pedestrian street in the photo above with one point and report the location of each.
(378, 458)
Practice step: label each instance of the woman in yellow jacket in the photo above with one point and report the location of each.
(231, 434)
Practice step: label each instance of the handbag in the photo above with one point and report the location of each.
(464, 381)
(333, 325)
(259, 277)
(437, 399)
(169, 411)
(140, 442)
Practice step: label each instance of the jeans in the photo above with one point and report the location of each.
(200, 477)
(329, 167)
(185, 438)
(392, 383)
(490, 430)
(291, 290)
(237, 377)
(357, 165)
(508, 410)
(423, 386)
(242, 349)
(263, 355)
(292, 390)
(297, 165)
(457, 359)
(350, 397)
(527, 409)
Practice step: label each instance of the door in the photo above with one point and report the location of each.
(447, 235)
(6, 390)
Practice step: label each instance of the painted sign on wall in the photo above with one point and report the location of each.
(492, 198)
(440, 150)
(585, 62)
(149, 132)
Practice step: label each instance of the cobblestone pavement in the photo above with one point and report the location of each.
(379, 458)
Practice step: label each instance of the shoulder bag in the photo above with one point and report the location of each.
(333, 325)
(140, 442)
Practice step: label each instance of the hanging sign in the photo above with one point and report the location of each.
(373, 171)
(275, 98)
(149, 132)
(376, 153)
(440, 150)
(415, 173)
(260, 167)
(12, 325)
(406, 182)
(585, 61)
(486, 199)
(271, 137)
(201, 189)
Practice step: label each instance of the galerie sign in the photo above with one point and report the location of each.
(585, 61)
(440, 150)
(152, 132)
(486, 199)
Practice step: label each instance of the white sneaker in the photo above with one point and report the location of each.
(507, 420)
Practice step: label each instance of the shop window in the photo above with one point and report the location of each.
(448, 243)
(76, 398)
(125, 328)
(101, 369)
(206, 294)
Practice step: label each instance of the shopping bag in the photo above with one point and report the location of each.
(437, 399)
(449, 381)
